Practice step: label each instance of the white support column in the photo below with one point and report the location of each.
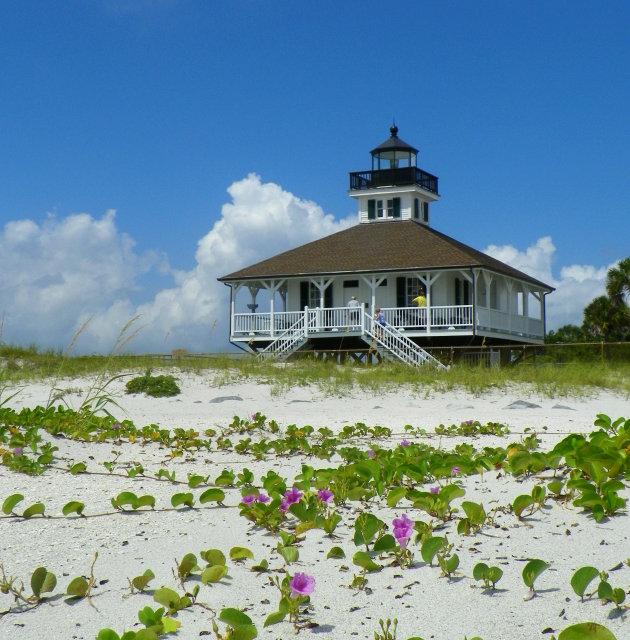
(509, 286)
(428, 279)
(272, 286)
(373, 282)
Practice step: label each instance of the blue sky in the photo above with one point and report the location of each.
(155, 109)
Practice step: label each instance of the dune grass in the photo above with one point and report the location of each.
(25, 365)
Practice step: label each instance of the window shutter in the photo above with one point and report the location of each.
(303, 294)
(401, 297)
(371, 209)
(396, 212)
(328, 296)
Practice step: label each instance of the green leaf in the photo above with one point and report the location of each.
(213, 557)
(124, 498)
(582, 578)
(362, 559)
(290, 554)
(336, 552)
(170, 625)
(451, 564)
(36, 509)
(586, 631)
(10, 502)
(140, 582)
(73, 507)
(214, 573)
(212, 495)
(244, 632)
(274, 618)
(521, 503)
(187, 565)
(145, 501)
(430, 547)
(78, 587)
(395, 495)
(169, 598)
(532, 570)
(234, 618)
(240, 553)
(480, 571)
(42, 581)
(555, 486)
(384, 543)
(494, 575)
(107, 634)
(186, 499)
(195, 480)
(79, 467)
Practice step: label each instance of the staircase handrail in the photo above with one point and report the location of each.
(399, 344)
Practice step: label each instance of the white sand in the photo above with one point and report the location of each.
(424, 603)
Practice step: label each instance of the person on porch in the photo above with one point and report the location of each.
(353, 305)
(419, 301)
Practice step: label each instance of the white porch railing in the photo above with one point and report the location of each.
(511, 324)
(459, 316)
(423, 319)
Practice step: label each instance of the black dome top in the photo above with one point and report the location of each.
(394, 143)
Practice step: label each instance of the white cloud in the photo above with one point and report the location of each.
(57, 273)
(260, 221)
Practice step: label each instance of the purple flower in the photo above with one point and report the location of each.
(454, 471)
(469, 422)
(302, 585)
(262, 497)
(115, 426)
(17, 451)
(403, 527)
(293, 496)
(405, 443)
(284, 505)
(435, 489)
(371, 453)
(325, 495)
(248, 499)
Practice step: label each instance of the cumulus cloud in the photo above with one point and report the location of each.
(576, 286)
(260, 221)
(57, 274)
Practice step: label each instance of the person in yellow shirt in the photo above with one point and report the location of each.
(420, 301)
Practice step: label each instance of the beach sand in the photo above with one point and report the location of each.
(425, 604)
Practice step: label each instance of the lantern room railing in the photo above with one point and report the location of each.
(393, 177)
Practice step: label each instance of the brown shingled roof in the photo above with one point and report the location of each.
(394, 245)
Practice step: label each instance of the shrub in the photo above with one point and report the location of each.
(156, 386)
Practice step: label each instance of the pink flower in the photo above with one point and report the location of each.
(284, 505)
(371, 453)
(115, 426)
(293, 496)
(325, 495)
(302, 585)
(248, 499)
(454, 471)
(262, 497)
(403, 528)
(405, 443)
(435, 489)
(17, 451)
